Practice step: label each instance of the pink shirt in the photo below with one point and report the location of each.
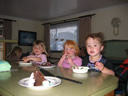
(76, 60)
(42, 56)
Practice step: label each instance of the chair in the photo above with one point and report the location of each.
(126, 88)
(122, 72)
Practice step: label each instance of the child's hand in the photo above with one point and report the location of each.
(64, 56)
(69, 60)
(25, 59)
(99, 66)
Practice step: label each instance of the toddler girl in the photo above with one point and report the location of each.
(95, 60)
(39, 53)
(70, 55)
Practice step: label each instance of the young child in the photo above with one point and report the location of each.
(95, 60)
(15, 55)
(39, 53)
(70, 55)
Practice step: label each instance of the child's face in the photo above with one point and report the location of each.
(37, 49)
(69, 51)
(19, 53)
(94, 47)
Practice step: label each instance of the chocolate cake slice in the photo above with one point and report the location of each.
(39, 78)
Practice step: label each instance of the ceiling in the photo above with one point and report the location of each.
(42, 10)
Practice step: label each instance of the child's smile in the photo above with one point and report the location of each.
(92, 52)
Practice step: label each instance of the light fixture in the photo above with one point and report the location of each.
(116, 23)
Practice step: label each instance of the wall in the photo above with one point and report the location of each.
(101, 22)
(27, 25)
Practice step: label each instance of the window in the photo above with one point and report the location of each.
(59, 33)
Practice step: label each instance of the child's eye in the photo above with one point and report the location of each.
(95, 45)
(71, 48)
(88, 46)
(66, 48)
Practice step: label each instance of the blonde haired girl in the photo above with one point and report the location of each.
(39, 53)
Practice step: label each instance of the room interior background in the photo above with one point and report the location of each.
(101, 22)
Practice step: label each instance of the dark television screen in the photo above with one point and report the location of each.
(26, 38)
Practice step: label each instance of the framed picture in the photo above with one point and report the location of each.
(26, 38)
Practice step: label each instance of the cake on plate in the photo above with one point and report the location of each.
(37, 79)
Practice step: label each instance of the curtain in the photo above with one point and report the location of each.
(7, 34)
(84, 29)
(47, 37)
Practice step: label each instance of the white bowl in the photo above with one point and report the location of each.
(80, 69)
(21, 63)
(80, 76)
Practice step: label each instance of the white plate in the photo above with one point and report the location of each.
(80, 69)
(52, 66)
(25, 64)
(53, 80)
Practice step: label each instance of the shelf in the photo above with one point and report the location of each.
(9, 41)
(2, 51)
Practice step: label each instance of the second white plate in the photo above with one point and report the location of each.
(24, 64)
(52, 66)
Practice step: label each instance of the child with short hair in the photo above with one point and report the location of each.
(96, 61)
(70, 55)
(15, 55)
(39, 53)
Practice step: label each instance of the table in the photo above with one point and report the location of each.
(93, 84)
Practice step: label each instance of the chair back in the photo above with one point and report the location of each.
(126, 89)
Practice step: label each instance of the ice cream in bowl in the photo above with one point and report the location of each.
(80, 69)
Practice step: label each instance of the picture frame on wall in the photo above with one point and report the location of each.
(26, 38)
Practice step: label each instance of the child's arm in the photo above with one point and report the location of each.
(61, 60)
(76, 62)
(108, 71)
(103, 69)
(34, 59)
(69, 60)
